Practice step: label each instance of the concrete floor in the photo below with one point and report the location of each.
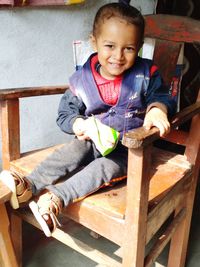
(40, 251)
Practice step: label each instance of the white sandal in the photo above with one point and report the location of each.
(19, 187)
(50, 205)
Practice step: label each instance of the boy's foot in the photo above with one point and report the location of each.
(46, 210)
(20, 187)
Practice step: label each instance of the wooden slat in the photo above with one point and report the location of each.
(6, 251)
(137, 206)
(192, 151)
(163, 208)
(177, 137)
(16, 235)
(165, 57)
(10, 129)
(181, 30)
(75, 244)
(13, 93)
(101, 221)
(164, 239)
(186, 114)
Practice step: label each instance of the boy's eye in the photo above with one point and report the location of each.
(109, 46)
(130, 49)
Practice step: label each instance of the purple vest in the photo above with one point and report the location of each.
(129, 111)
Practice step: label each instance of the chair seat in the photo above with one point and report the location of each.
(166, 170)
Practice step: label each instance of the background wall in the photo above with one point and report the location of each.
(36, 50)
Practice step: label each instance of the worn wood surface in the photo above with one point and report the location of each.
(177, 137)
(10, 130)
(16, 235)
(173, 28)
(7, 254)
(166, 62)
(137, 206)
(31, 91)
(164, 239)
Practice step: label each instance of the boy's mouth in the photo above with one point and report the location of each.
(116, 65)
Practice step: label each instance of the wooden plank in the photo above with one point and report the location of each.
(165, 57)
(77, 245)
(86, 250)
(136, 207)
(16, 235)
(193, 142)
(31, 91)
(185, 115)
(177, 137)
(159, 214)
(82, 212)
(172, 28)
(6, 247)
(164, 239)
(10, 129)
(179, 241)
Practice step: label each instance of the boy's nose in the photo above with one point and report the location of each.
(118, 54)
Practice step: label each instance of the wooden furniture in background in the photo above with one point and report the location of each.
(161, 185)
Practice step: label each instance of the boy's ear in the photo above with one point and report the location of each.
(93, 42)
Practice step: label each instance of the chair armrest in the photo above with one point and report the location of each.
(5, 193)
(14, 93)
(142, 137)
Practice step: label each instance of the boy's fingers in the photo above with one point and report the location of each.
(163, 127)
(147, 124)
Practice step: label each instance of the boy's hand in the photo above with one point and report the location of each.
(79, 128)
(157, 117)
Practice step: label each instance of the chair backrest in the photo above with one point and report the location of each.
(173, 32)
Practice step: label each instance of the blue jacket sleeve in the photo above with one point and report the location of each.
(70, 108)
(159, 92)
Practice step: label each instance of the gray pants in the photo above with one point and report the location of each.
(79, 170)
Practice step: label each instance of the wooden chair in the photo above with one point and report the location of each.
(7, 254)
(160, 187)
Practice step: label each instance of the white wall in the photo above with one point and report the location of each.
(36, 50)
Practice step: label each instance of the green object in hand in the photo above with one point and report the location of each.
(104, 137)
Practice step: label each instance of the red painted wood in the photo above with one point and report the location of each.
(181, 30)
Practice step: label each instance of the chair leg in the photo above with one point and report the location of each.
(16, 235)
(7, 250)
(179, 242)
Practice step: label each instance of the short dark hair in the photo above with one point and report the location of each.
(124, 11)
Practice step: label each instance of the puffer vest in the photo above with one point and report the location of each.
(129, 111)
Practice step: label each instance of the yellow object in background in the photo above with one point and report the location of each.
(69, 2)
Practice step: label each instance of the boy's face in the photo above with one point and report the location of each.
(117, 45)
